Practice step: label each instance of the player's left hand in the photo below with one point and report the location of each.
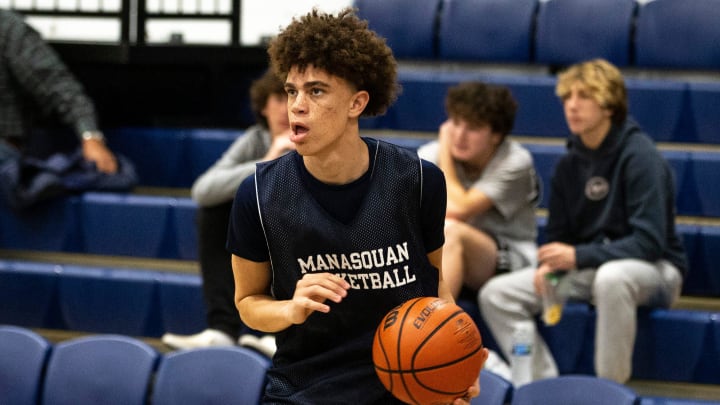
(471, 393)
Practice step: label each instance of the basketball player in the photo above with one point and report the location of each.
(327, 239)
(611, 230)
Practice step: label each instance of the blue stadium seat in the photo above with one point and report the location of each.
(205, 147)
(571, 340)
(28, 294)
(710, 254)
(696, 281)
(540, 112)
(99, 369)
(51, 225)
(659, 106)
(658, 356)
(127, 225)
(220, 375)
(421, 107)
(182, 306)
(159, 154)
(706, 177)
(705, 110)
(23, 354)
(486, 30)
(104, 300)
(494, 390)
(678, 34)
(686, 195)
(184, 229)
(573, 390)
(407, 25)
(570, 31)
(708, 369)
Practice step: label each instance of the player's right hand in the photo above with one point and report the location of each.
(312, 291)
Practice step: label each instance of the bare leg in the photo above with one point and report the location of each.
(469, 256)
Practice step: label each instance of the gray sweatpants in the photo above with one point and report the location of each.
(617, 289)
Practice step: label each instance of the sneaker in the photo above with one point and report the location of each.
(264, 344)
(497, 365)
(206, 338)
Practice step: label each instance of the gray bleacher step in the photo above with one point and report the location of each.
(707, 392)
(86, 259)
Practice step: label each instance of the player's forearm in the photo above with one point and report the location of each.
(264, 313)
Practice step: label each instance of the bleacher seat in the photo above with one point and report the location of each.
(51, 225)
(659, 106)
(706, 176)
(704, 99)
(210, 376)
(573, 390)
(159, 154)
(407, 25)
(494, 390)
(23, 354)
(494, 31)
(28, 294)
(127, 224)
(570, 31)
(709, 241)
(99, 369)
(182, 306)
(673, 34)
(659, 355)
(183, 227)
(571, 339)
(109, 300)
(205, 146)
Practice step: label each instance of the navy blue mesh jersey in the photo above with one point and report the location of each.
(380, 251)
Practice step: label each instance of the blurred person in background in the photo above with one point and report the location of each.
(214, 191)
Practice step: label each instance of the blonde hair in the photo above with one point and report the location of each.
(604, 84)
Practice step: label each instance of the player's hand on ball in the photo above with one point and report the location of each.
(472, 392)
(312, 291)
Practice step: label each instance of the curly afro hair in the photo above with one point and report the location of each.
(342, 46)
(482, 104)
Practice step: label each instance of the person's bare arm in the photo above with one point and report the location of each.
(260, 311)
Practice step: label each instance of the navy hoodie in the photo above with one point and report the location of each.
(616, 201)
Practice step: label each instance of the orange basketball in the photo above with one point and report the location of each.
(427, 351)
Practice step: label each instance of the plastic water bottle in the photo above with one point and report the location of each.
(522, 348)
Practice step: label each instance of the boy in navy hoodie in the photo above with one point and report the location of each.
(611, 227)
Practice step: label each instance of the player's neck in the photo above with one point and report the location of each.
(345, 162)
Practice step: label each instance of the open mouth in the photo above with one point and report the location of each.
(299, 131)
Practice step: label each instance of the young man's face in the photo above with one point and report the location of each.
(320, 109)
(585, 117)
(472, 143)
(276, 113)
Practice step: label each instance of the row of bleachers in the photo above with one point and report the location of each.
(667, 34)
(187, 153)
(669, 110)
(135, 302)
(118, 224)
(116, 369)
(149, 303)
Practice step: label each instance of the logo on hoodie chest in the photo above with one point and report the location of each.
(596, 188)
